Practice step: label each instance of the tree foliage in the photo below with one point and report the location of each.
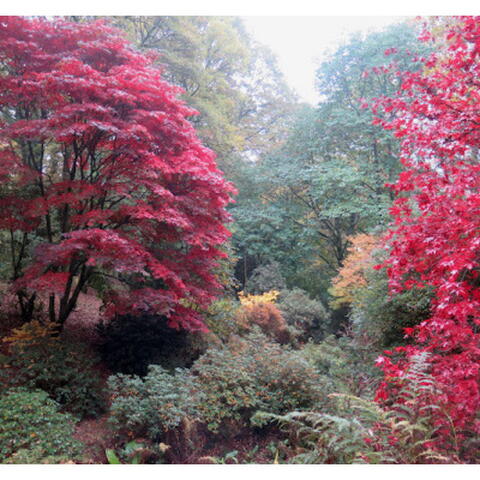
(233, 82)
(353, 273)
(326, 182)
(434, 239)
(101, 174)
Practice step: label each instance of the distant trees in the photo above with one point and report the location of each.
(327, 181)
(235, 84)
(245, 106)
(102, 176)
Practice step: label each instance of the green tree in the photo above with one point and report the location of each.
(326, 182)
(234, 83)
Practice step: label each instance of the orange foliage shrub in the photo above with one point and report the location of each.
(261, 310)
(352, 275)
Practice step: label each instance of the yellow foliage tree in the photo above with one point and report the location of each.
(267, 297)
(352, 275)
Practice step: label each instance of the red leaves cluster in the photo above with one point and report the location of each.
(99, 160)
(435, 239)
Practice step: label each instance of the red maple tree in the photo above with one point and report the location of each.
(435, 239)
(101, 174)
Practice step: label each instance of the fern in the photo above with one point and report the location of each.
(366, 432)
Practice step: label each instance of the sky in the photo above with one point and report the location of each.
(301, 42)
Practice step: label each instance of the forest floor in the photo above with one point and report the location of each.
(96, 435)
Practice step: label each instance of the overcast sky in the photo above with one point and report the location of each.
(300, 43)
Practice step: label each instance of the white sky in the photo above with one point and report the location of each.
(300, 42)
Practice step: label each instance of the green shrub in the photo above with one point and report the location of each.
(228, 386)
(62, 368)
(225, 385)
(265, 278)
(253, 373)
(33, 431)
(383, 317)
(152, 405)
(220, 318)
(362, 431)
(303, 314)
(346, 364)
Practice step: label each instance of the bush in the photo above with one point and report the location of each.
(224, 388)
(153, 405)
(261, 311)
(64, 369)
(373, 311)
(131, 343)
(221, 318)
(384, 317)
(346, 364)
(303, 314)
(33, 431)
(362, 431)
(253, 373)
(266, 278)
(267, 317)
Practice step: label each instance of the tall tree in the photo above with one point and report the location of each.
(102, 175)
(435, 238)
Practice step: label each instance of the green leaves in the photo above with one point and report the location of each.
(152, 405)
(32, 430)
(364, 432)
(63, 368)
(112, 457)
(131, 453)
(301, 201)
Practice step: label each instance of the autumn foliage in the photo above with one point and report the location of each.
(435, 237)
(103, 176)
(352, 275)
(260, 310)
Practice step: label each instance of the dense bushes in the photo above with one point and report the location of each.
(254, 373)
(304, 316)
(33, 431)
(346, 364)
(374, 311)
(384, 317)
(221, 318)
(154, 404)
(227, 384)
(285, 316)
(265, 278)
(38, 359)
(261, 311)
(362, 431)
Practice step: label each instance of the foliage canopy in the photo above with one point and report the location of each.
(101, 174)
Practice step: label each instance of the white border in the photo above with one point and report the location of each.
(240, 7)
